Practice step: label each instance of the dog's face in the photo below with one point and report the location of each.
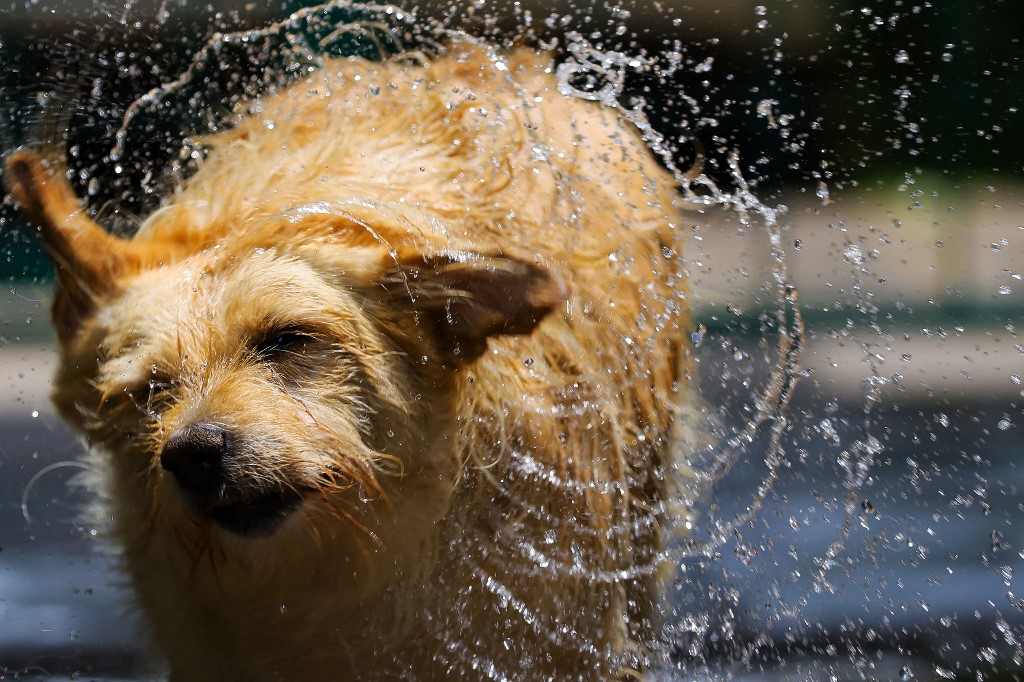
(292, 371)
(251, 381)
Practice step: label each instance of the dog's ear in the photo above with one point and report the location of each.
(87, 258)
(465, 298)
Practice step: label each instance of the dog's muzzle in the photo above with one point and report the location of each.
(203, 460)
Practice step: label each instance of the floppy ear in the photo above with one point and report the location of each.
(466, 298)
(86, 256)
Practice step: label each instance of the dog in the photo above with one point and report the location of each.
(390, 387)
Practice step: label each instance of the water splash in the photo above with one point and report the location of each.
(597, 75)
(301, 42)
(304, 37)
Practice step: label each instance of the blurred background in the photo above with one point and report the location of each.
(889, 543)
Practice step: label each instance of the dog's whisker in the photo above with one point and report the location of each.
(354, 523)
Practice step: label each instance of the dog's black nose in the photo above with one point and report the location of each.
(195, 455)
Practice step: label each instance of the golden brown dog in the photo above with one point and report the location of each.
(387, 390)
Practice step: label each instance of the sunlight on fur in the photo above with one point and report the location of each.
(391, 386)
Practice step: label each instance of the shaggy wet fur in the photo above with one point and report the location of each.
(430, 318)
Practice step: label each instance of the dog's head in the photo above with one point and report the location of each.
(302, 363)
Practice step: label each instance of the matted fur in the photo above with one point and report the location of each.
(486, 504)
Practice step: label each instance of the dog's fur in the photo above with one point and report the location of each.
(433, 313)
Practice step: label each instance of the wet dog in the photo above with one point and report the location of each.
(387, 389)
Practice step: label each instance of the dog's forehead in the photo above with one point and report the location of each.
(205, 304)
(212, 287)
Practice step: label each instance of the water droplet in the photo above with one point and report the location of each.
(704, 66)
(1004, 424)
(1004, 290)
(822, 193)
(902, 57)
(853, 254)
(764, 107)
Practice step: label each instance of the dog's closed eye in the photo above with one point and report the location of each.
(279, 342)
(158, 388)
(152, 396)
